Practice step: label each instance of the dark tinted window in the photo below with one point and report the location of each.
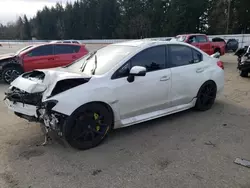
(41, 51)
(66, 49)
(122, 72)
(152, 59)
(181, 55)
(201, 38)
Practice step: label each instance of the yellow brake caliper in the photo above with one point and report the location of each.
(96, 117)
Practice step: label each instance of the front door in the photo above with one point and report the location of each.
(193, 41)
(204, 44)
(146, 94)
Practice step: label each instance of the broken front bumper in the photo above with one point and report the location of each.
(21, 108)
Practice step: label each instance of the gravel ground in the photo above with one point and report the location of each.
(185, 150)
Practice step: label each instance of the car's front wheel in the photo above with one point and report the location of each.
(9, 74)
(206, 96)
(88, 126)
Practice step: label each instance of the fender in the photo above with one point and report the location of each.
(72, 99)
(12, 61)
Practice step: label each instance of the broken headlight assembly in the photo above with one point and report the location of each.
(48, 105)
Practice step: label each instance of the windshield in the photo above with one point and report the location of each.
(21, 50)
(181, 38)
(102, 61)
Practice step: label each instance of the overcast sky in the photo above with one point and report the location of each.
(11, 9)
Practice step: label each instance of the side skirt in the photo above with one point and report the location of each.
(156, 114)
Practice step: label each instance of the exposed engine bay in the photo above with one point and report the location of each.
(29, 96)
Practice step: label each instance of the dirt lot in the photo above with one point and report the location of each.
(185, 150)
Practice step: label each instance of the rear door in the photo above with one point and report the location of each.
(41, 57)
(188, 73)
(204, 44)
(65, 54)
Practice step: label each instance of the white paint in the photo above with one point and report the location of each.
(157, 94)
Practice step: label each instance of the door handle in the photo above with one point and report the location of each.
(200, 70)
(51, 59)
(74, 57)
(165, 78)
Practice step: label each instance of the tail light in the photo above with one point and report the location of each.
(220, 64)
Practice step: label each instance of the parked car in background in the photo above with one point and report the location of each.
(117, 86)
(232, 45)
(66, 41)
(201, 41)
(39, 57)
(243, 60)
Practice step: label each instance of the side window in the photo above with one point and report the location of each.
(66, 49)
(197, 56)
(122, 72)
(180, 55)
(41, 51)
(192, 39)
(152, 59)
(202, 39)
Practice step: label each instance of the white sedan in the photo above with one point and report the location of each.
(117, 86)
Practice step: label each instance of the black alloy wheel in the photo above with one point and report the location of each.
(206, 96)
(88, 126)
(10, 74)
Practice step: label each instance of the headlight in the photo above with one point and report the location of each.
(50, 104)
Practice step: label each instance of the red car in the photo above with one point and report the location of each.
(39, 57)
(201, 41)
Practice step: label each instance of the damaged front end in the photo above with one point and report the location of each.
(29, 106)
(29, 97)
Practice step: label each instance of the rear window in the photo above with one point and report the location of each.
(66, 49)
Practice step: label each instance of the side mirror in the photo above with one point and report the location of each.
(136, 71)
(216, 55)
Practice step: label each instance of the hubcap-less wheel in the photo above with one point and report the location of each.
(10, 75)
(88, 126)
(206, 96)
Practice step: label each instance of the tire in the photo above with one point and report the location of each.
(88, 126)
(206, 96)
(244, 74)
(9, 74)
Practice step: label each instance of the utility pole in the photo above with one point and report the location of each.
(228, 14)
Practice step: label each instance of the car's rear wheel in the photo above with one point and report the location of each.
(88, 126)
(206, 96)
(244, 74)
(9, 74)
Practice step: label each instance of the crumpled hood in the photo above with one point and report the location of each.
(44, 79)
(6, 56)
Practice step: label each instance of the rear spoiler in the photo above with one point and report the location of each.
(216, 55)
